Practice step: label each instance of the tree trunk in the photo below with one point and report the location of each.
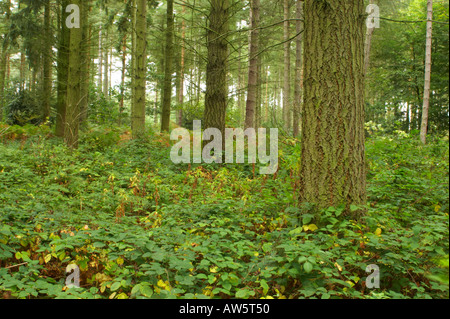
(3, 62)
(47, 56)
(182, 66)
(100, 61)
(368, 45)
(138, 116)
(62, 71)
(426, 91)
(332, 169)
(287, 116)
(74, 83)
(122, 81)
(253, 66)
(105, 65)
(216, 77)
(168, 68)
(298, 69)
(85, 61)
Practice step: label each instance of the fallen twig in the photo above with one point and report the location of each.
(16, 265)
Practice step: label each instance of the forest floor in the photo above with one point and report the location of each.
(139, 226)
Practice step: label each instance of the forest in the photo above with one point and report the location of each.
(117, 118)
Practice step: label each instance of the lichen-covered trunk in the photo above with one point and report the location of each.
(333, 155)
(216, 86)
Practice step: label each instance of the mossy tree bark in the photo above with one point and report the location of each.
(168, 68)
(216, 69)
(62, 71)
(138, 112)
(4, 56)
(252, 90)
(287, 112)
(333, 156)
(72, 121)
(85, 61)
(298, 68)
(47, 57)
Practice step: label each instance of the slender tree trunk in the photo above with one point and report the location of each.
(298, 69)
(216, 77)
(240, 101)
(47, 57)
(287, 116)
(368, 45)
(258, 93)
(333, 158)
(253, 66)
(133, 56)
(105, 65)
(266, 99)
(155, 119)
(426, 92)
(4, 57)
(182, 67)
(100, 60)
(74, 83)
(168, 68)
(122, 81)
(138, 117)
(85, 61)
(62, 71)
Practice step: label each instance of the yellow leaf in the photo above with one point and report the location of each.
(122, 296)
(338, 266)
(437, 208)
(378, 232)
(112, 295)
(120, 261)
(48, 258)
(213, 269)
(311, 227)
(256, 254)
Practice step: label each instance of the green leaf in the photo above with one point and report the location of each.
(115, 286)
(308, 267)
(264, 286)
(146, 291)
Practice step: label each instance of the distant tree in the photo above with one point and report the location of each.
(426, 91)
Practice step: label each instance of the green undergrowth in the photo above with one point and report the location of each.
(139, 226)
